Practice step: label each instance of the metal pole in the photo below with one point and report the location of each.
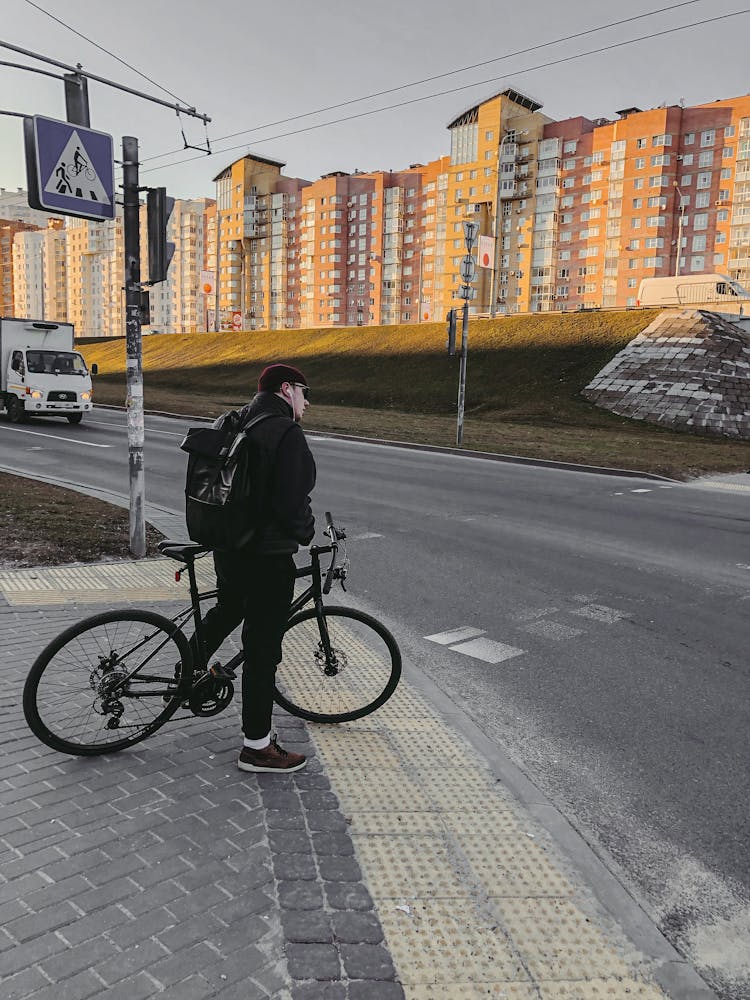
(217, 326)
(495, 284)
(134, 367)
(462, 375)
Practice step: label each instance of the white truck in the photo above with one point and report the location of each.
(715, 290)
(40, 372)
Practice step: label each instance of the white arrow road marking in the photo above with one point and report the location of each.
(488, 650)
(59, 437)
(455, 635)
(641, 491)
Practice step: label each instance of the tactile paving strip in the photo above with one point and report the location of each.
(444, 847)
(448, 941)
(419, 867)
(147, 580)
(600, 989)
(557, 941)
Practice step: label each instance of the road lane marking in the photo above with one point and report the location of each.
(124, 427)
(599, 613)
(59, 437)
(487, 650)
(533, 613)
(363, 537)
(455, 635)
(641, 491)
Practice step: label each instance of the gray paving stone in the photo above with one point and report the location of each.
(175, 968)
(23, 983)
(294, 866)
(79, 987)
(289, 841)
(357, 928)
(347, 896)
(75, 959)
(140, 956)
(333, 842)
(313, 961)
(36, 924)
(308, 927)
(319, 991)
(376, 991)
(193, 988)
(301, 895)
(32, 953)
(85, 928)
(367, 961)
(339, 870)
(280, 819)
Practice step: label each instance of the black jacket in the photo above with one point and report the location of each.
(284, 474)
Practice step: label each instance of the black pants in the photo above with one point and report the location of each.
(257, 589)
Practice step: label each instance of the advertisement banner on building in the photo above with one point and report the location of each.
(486, 255)
(207, 282)
(210, 319)
(236, 320)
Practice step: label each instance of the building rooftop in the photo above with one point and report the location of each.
(468, 115)
(251, 156)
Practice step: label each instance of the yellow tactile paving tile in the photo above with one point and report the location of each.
(415, 868)
(600, 989)
(448, 941)
(374, 791)
(147, 580)
(513, 866)
(470, 991)
(401, 824)
(558, 941)
(358, 749)
(497, 820)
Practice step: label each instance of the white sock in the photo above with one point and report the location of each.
(257, 744)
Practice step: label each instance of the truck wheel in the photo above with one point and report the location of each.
(16, 411)
(74, 418)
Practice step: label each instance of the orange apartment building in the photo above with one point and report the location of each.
(8, 230)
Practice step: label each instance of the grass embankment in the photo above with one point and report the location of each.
(524, 380)
(44, 525)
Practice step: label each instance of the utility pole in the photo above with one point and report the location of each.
(466, 292)
(133, 353)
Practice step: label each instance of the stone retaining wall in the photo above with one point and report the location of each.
(688, 370)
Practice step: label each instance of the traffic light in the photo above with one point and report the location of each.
(144, 308)
(159, 208)
(451, 342)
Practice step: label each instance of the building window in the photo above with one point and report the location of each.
(704, 180)
(641, 143)
(706, 158)
(639, 162)
(700, 220)
(729, 131)
(708, 137)
(698, 263)
(661, 140)
(638, 183)
(688, 139)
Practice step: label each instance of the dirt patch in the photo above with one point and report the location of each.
(45, 525)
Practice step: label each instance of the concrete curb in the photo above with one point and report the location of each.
(490, 456)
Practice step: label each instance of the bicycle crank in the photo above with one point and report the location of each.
(210, 695)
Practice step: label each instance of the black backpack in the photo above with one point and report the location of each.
(220, 504)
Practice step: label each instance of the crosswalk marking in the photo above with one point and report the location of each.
(487, 650)
(599, 613)
(552, 630)
(455, 635)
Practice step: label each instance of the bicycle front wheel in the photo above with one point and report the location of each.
(358, 677)
(106, 682)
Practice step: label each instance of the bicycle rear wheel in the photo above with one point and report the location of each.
(361, 675)
(105, 683)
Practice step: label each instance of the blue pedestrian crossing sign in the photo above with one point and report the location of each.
(70, 169)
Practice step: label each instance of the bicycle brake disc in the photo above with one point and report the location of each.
(210, 695)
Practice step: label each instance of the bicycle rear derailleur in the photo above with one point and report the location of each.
(212, 692)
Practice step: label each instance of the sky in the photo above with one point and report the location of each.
(249, 65)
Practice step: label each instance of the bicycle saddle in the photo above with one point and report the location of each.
(183, 552)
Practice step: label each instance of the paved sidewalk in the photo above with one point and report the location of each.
(396, 865)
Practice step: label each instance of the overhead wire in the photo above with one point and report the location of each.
(428, 97)
(101, 48)
(439, 76)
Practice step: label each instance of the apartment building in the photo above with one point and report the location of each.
(95, 267)
(39, 273)
(8, 230)
(178, 305)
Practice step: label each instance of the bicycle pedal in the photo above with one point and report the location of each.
(219, 670)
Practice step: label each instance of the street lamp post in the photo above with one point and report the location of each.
(679, 230)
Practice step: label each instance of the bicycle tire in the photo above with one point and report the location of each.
(79, 682)
(368, 659)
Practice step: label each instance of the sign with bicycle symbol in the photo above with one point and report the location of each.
(70, 169)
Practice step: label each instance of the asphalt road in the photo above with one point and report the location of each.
(603, 647)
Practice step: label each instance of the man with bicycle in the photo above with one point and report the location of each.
(256, 584)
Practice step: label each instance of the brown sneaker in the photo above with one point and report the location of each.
(272, 758)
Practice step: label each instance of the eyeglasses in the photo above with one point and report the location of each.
(305, 389)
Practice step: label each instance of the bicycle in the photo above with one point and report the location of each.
(113, 679)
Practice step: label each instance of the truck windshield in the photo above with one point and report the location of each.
(55, 363)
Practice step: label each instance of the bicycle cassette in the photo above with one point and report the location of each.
(210, 695)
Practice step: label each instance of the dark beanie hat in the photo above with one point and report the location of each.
(273, 375)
